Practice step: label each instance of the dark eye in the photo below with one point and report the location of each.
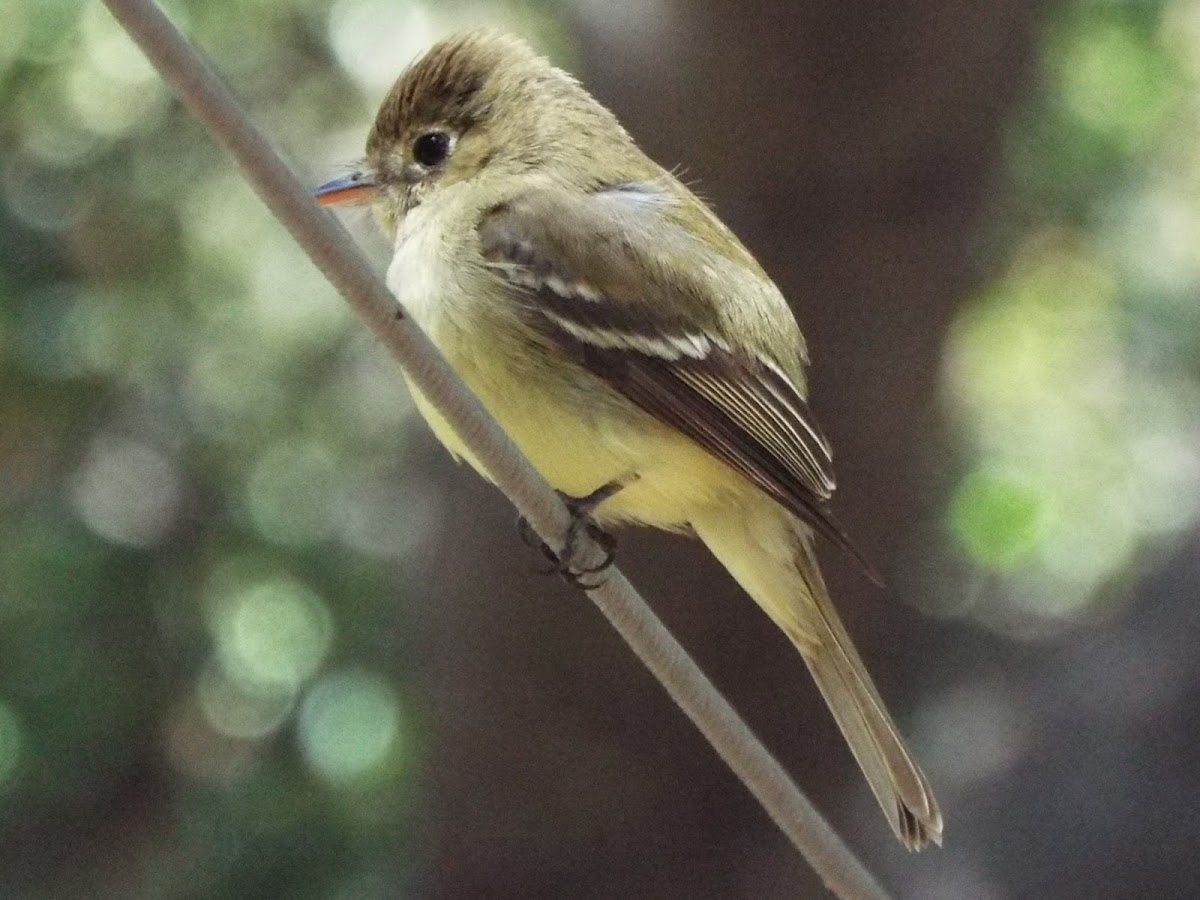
(431, 148)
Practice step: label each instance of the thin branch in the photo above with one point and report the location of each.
(331, 248)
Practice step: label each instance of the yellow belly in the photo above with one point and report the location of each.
(672, 477)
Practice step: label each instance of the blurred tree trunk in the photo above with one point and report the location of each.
(851, 145)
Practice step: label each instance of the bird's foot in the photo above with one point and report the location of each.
(566, 562)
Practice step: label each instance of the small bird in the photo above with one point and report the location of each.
(625, 339)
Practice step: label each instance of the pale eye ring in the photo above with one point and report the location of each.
(431, 148)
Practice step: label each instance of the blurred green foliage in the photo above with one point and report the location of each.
(1073, 374)
(210, 537)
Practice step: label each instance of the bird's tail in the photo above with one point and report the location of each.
(770, 554)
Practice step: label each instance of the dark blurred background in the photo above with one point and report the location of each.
(259, 637)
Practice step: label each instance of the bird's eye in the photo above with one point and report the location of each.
(431, 148)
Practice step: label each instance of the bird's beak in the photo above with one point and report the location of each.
(355, 189)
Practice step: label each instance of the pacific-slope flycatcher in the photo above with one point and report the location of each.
(621, 335)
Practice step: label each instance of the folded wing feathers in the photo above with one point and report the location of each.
(735, 402)
(746, 388)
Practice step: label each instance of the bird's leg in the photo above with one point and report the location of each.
(581, 509)
(582, 523)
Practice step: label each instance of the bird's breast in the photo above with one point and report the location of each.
(421, 272)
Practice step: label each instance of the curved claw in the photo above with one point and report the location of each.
(604, 540)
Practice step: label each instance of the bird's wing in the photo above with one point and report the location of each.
(620, 285)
